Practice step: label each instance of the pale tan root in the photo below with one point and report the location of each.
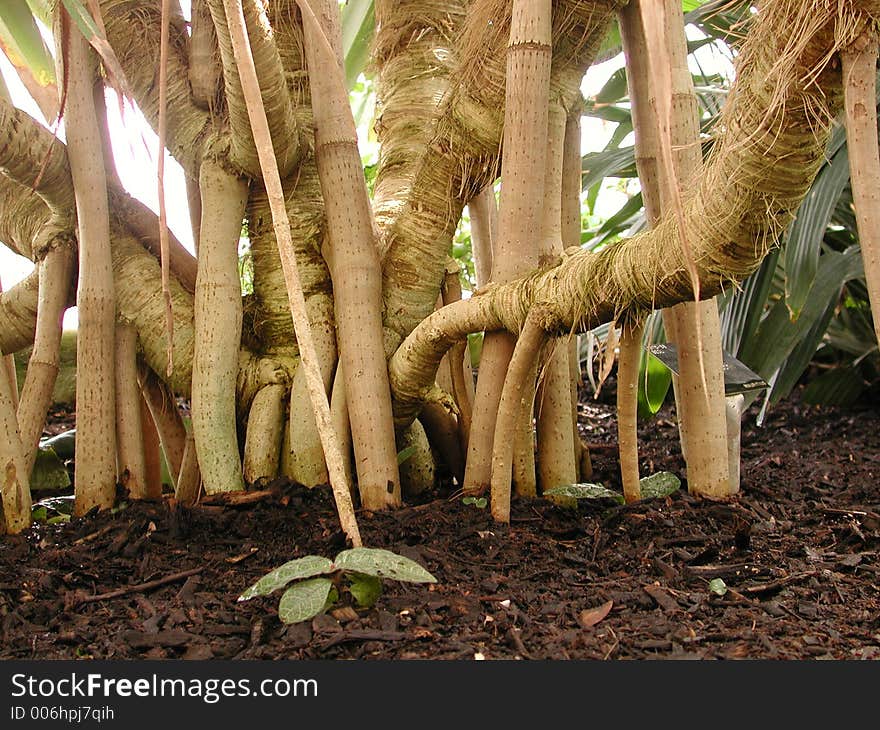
(95, 481)
(218, 316)
(524, 475)
(483, 213)
(630, 348)
(354, 266)
(859, 85)
(36, 395)
(132, 471)
(299, 313)
(522, 363)
(417, 473)
(554, 408)
(695, 328)
(522, 197)
(15, 491)
(262, 446)
(735, 406)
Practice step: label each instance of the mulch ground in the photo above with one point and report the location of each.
(797, 550)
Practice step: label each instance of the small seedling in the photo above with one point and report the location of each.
(320, 581)
(718, 586)
(478, 502)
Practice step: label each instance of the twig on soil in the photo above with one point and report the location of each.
(142, 587)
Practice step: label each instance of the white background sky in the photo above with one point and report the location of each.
(135, 148)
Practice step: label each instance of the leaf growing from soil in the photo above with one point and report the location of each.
(365, 589)
(659, 485)
(718, 586)
(306, 567)
(584, 491)
(304, 600)
(383, 564)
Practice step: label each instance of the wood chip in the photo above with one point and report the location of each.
(592, 616)
(662, 597)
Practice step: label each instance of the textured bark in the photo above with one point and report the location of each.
(354, 266)
(130, 461)
(96, 303)
(859, 74)
(627, 410)
(694, 327)
(556, 463)
(768, 151)
(218, 317)
(522, 199)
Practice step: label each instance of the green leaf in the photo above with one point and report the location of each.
(717, 586)
(744, 307)
(584, 491)
(659, 485)
(39, 514)
(49, 471)
(382, 564)
(777, 336)
(839, 387)
(64, 444)
(21, 37)
(615, 88)
(805, 235)
(293, 570)
(405, 454)
(304, 600)
(62, 505)
(358, 25)
(654, 381)
(596, 166)
(365, 589)
(58, 520)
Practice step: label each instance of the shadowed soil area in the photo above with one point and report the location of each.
(797, 550)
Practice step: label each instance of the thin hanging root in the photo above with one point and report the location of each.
(860, 94)
(627, 409)
(525, 356)
(272, 180)
(164, 245)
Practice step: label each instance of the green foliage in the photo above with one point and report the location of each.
(659, 485)
(718, 586)
(22, 41)
(359, 571)
(49, 471)
(478, 502)
(569, 493)
(53, 510)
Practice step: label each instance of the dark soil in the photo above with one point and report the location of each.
(797, 550)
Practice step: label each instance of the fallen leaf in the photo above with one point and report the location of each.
(592, 616)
